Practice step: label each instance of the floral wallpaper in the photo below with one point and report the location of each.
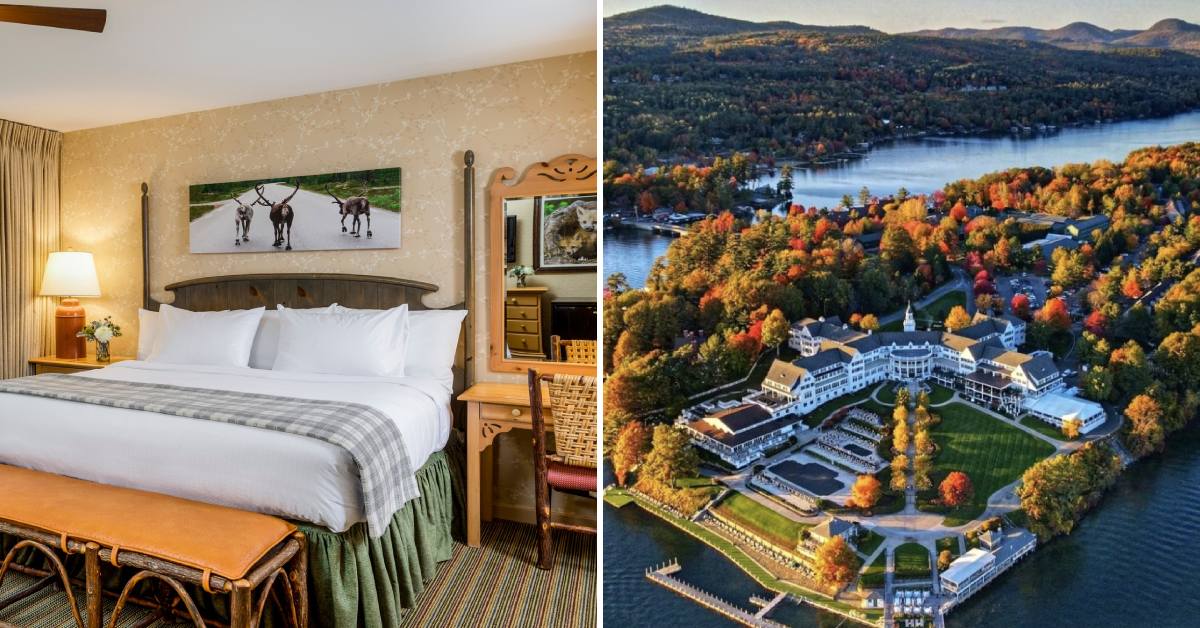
(510, 115)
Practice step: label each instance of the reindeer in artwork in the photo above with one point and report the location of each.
(242, 218)
(354, 206)
(281, 215)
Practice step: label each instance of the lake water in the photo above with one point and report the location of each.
(1131, 563)
(926, 165)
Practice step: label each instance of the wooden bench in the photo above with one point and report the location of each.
(250, 557)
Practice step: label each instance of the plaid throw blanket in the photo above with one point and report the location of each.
(368, 435)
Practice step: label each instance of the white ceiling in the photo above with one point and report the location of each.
(163, 57)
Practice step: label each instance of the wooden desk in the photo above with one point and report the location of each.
(492, 409)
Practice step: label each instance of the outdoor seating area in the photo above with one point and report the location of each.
(911, 602)
(850, 450)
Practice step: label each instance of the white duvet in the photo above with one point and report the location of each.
(243, 467)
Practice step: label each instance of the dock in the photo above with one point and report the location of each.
(664, 575)
(657, 227)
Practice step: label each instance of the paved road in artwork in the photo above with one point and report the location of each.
(316, 226)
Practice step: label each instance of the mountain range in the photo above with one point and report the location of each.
(666, 22)
(1171, 34)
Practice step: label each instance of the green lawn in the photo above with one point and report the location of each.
(887, 394)
(617, 497)
(767, 523)
(939, 394)
(869, 542)
(948, 543)
(911, 561)
(1043, 427)
(197, 211)
(873, 576)
(991, 452)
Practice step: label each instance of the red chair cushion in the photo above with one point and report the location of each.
(565, 476)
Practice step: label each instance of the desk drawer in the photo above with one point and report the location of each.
(522, 299)
(497, 412)
(523, 342)
(40, 369)
(522, 327)
(522, 312)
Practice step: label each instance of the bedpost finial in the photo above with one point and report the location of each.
(469, 158)
(145, 188)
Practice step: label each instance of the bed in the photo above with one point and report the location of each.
(354, 578)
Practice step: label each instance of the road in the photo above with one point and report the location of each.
(316, 226)
(959, 283)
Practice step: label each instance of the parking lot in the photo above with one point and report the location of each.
(1030, 285)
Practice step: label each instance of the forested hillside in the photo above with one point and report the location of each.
(681, 84)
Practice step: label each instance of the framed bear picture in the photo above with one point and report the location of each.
(564, 237)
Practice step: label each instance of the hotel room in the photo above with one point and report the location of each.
(298, 313)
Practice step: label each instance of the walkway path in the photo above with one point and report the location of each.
(958, 284)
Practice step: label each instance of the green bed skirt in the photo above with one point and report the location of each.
(355, 580)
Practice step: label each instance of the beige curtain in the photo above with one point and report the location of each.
(29, 213)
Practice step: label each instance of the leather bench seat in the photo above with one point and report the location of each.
(222, 540)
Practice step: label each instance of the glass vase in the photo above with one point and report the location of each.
(102, 352)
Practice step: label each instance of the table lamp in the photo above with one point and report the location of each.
(70, 274)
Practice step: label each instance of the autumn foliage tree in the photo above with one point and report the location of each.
(865, 493)
(957, 318)
(628, 450)
(835, 563)
(956, 489)
(1020, 305)
(1145, 431)
(1055, 315)
(775, 329)
(869, 322)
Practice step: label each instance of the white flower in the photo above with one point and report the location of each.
(103, 333)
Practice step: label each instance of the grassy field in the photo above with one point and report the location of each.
(1043, 427)
(617, 497)
(887, 394)
(939, 394)
(197, 211)
(912, 561)
(989, 451)
(869, 542)
(873, 576)
(765, 522)
(948, 543)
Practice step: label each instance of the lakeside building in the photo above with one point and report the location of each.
(981, 361)
(979, 566)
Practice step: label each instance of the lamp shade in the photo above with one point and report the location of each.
(70, 274)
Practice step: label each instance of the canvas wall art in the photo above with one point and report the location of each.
(564, 236)
(321, 212)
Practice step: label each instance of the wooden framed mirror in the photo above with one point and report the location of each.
(545, 222)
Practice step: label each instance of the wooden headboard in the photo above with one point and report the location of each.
(304, 290)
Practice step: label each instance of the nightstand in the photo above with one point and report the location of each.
(51, 364)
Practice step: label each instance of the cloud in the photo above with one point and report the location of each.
(994, 21)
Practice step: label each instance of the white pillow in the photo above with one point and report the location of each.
(266, 342)
(147, 332)
(262, 352)
(207, 338)
(433, 341)
(343, 343)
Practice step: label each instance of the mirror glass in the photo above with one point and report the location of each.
(550, 254)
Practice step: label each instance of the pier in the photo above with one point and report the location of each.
(664, 575)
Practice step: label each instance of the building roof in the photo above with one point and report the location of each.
(785, 373)
(822, 359)
(744, 436)
(991, 538)
(1039, 368)
(989, 379)
(830, 528)
(739, 418)
(1065, 407)
(967, 565)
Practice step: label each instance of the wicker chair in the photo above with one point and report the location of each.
(574, 351)
(572, 466)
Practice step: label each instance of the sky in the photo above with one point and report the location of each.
(897, 16)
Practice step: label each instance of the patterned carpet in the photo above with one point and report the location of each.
(499, 585)
(494, 585)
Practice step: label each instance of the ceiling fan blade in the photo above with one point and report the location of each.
(56, 17)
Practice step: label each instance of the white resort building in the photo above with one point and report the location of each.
(981, 361)
(997, 551)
